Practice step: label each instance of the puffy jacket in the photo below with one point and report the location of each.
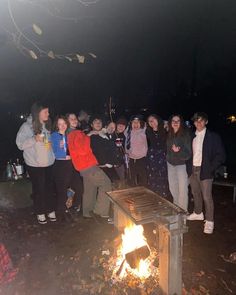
(80, 150)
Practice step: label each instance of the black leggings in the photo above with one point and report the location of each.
(42, 189)
(63, 176)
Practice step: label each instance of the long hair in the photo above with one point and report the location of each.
(160, 127)
(182, 128)
(55, 123)
(36, 108)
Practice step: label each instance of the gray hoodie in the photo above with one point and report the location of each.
(36, 154)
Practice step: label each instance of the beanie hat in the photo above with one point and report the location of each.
(122, 121)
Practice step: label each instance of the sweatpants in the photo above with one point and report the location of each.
(96, 184)
(42, 189)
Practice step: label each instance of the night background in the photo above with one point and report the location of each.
(145, 56)
(166, 56)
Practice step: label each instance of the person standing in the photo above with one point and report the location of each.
(156, 156)
(62, 168)
(119, 139)
(96, 182)
(103, 147)
(136, 148)
(178, 152)
(34, 139)
(77, 182)
(208, 155)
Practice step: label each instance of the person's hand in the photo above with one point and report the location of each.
(93, 132)
(68, 157)
(108, 165)
(39, 137)
(175, 148)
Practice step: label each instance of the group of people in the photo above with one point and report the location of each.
(90, 158)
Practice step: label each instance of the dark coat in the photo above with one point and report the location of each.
(213, 155)
(104, 150)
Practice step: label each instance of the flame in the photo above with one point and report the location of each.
(132, 239)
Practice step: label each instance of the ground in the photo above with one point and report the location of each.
(67, 259)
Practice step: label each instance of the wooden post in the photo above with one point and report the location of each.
(170, 260)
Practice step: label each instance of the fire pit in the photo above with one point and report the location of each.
(136, 206)
(133, 267)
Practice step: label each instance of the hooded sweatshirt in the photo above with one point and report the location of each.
(80, 151)
(36, 154)
(138, 144)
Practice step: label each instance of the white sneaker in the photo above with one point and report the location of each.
(195, 216)
(41, 219)
(208, 227)
(52, 216)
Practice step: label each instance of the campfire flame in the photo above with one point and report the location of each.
(133, 239)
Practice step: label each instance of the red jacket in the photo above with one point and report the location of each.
(80, 151)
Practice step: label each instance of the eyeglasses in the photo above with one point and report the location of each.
(175, 121)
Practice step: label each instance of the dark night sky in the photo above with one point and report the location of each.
(151, 52)
(169, 55)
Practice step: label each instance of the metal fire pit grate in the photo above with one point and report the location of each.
(140, 205)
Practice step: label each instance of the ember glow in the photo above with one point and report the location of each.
(133, 239)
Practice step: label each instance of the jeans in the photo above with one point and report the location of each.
(202, 191)
(178, 184)
(96, 184)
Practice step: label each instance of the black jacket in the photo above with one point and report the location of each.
(185, 153)
(213, 155)
(103, 149)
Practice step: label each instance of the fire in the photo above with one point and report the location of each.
(133, 239)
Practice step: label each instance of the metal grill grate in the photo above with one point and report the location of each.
(142, 205)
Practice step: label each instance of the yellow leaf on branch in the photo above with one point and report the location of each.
(68, 58)
(93, 55)
(33, 54)
(37, 29)
(51, 54)
(81, 58)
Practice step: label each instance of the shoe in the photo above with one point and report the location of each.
(52, 216)
(195, 216)
(110, 220)
(105, 216)
(41, 219)
(77, 209)
(208, 227)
